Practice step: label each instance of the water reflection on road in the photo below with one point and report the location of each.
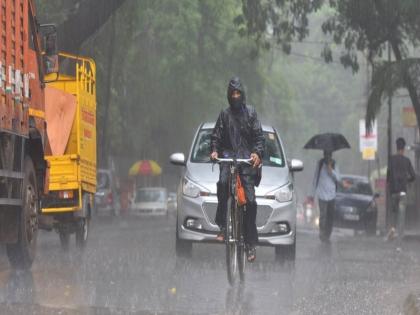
(130, 267)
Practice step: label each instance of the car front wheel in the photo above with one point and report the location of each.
(183, 248)
(286, 252)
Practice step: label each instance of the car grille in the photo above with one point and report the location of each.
(263, 213)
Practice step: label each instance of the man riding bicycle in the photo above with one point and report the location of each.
(238, 134)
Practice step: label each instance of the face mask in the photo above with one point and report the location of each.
(236, 104)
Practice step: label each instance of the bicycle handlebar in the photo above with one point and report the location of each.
(225, 160)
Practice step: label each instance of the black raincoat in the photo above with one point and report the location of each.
(238, 131)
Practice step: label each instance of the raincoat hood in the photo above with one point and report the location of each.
(235, 84)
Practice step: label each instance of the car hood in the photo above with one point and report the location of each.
(353, 200)
(207, 175)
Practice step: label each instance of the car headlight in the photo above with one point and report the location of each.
(284, 194)
(191, 189)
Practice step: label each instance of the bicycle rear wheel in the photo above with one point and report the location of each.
(241, 244)
(231, 244)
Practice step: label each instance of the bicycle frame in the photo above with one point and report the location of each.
(234, 238)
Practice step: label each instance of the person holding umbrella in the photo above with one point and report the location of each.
(326, 178)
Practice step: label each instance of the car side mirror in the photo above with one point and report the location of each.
(376, 195)
(177, 159)
(295, 165)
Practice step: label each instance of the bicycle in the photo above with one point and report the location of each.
(234, 231)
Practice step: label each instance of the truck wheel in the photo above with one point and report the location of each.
(64, 240)
(21, 254)
(82, 232)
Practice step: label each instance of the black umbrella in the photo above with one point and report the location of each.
(327, 142)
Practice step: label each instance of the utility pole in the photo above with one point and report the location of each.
(367, 98)
(388, 194)
(104, 143)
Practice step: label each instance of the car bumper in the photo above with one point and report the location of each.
(269, 214)
(148, 211)
(353, 221)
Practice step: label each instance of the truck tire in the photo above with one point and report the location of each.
(83, 224)
(82, 233)
(64, 240)
(21, 254)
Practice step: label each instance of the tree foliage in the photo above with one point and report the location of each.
(358, 26)
(77, 20)
(171, 66)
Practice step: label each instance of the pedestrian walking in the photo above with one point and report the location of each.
(324, 187)
(400, 172)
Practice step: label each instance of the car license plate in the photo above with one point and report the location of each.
(351, 217)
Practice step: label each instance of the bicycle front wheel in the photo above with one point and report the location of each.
(231, 244)
(241, 244)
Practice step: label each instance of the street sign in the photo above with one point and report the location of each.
(368, 154)
(368, 140)
(409, 117)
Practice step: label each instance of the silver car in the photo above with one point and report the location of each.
(150, 200)
(197, 196)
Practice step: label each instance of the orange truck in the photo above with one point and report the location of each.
(27, 54)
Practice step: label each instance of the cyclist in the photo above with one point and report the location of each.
(238, 134)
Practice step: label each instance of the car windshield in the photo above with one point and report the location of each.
(354, 186)
(145, 195)
(273, 155)
(102, 180)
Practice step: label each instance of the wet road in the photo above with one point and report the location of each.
(129, 267)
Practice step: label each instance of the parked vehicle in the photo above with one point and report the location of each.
(197, 198)
(28, 54)
(71, 113)
(107, 199)
(150, 200)
(356, 204)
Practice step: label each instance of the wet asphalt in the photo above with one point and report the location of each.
(130, 267)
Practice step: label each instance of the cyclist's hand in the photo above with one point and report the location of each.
(214, 155)
(256, 161)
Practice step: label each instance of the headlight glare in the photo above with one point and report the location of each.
(190, 189)
(284, 194)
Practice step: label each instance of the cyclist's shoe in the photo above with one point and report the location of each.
(221, 235)
(251, 253)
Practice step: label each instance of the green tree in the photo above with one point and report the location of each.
(171, 65)
(366, 26)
